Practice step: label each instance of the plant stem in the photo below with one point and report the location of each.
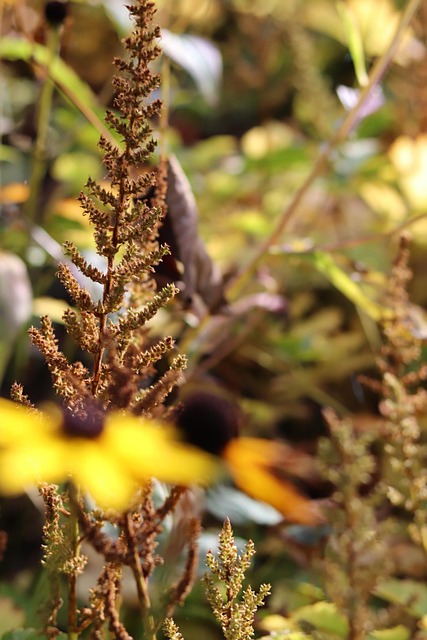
(140, 580)
(236, 284)
(103, 316)
(73, 626)
(44, 109)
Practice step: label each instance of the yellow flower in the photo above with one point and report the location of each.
(109, 457)
(254, 464)
(260, 468)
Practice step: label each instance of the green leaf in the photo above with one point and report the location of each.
(51, 307)
(8, 154)
(11, 615)
(326, 265)
(324, 616)
(281, 628)
(395, 633)
(27, 634)
(73, 168)
(199, 57)
(66, 79)
(354, 42)
(409, 594)
(22, 634)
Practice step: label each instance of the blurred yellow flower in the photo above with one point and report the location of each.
(254, 465)
(109, 457)
(261, 468)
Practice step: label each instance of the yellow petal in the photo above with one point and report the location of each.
(250, 461)
(26, 464)
(100, 473)
(110, 467)
(18, 422)
(150, 450)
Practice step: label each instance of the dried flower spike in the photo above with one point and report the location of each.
(125, 224)
(236, 618)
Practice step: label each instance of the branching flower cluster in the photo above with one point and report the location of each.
(236, 618)
(355, 558)
(112, 328)
(404, 400)
(370, 486)
(223, 586)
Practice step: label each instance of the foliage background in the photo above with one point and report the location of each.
(253, 99)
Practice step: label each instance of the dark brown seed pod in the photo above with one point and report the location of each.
(55, 12)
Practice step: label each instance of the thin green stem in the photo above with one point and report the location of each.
(238, 283)
(44, 109)
(91, 116)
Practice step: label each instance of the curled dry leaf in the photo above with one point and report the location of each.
(180, 231)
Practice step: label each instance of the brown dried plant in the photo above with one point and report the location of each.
(403, 400)
(377, 471)
(119, 369)
(355, 558)
(112, 328)
(233, 606)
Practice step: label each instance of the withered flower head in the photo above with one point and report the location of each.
(208, 421)
(55, 12)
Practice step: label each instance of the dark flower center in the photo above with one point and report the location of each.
(208, 421)
(88, 423)
(55, 12)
